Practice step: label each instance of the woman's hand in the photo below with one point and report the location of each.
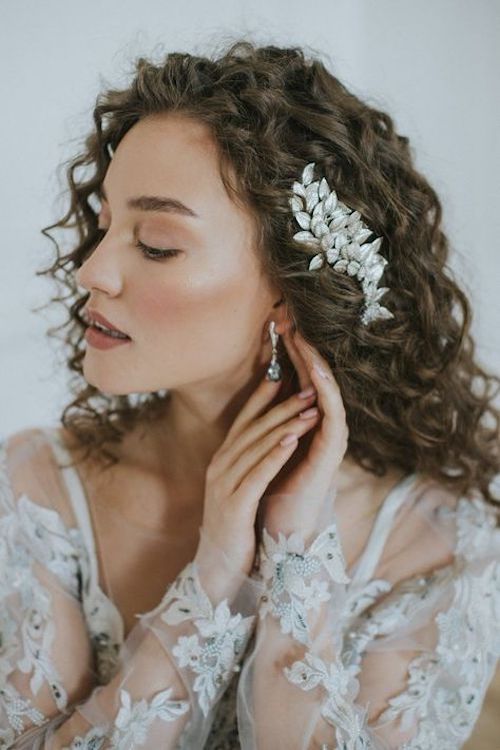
(296, 501)
(239, 473)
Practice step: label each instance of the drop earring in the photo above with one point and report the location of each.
(274, 367)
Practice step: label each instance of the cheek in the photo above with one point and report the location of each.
(211, 301)
(161, 304)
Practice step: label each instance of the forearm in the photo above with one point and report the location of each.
(296, 620)
(153, 671)
(176, 664)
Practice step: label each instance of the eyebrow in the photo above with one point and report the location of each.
(156, 203)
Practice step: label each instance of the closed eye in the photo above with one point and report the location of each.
(155, 252)
(151, 253)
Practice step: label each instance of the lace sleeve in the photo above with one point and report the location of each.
(324, 658)
(375, 664)
(175, 664)
(38, 587)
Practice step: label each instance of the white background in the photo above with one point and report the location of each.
(434, 65)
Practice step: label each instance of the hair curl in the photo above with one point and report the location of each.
(414, 395)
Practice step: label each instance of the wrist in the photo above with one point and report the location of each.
(220, 576)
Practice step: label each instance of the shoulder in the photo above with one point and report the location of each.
(438, 527)
(447, 509)
(22, 453)
(21, 439)
(37, 524)
(31, 472)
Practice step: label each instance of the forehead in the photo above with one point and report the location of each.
(171, 155)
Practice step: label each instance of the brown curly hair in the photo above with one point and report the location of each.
(409, 384)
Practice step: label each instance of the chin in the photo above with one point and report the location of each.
(106, 383)
(109, 387)
(112, 380)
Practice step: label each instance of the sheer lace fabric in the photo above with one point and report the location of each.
(395, 650)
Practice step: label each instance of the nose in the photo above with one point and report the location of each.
(102, 269)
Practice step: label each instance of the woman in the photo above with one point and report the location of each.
(266, 520)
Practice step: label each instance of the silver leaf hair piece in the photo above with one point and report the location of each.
(340, 235)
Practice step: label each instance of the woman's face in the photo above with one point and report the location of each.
(198, 316)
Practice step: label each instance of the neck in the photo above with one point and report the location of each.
(196, 420)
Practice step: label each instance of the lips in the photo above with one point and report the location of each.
(92, 316)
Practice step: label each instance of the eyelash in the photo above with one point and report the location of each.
(151, 253)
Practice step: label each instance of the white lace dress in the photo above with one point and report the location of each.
(394, 651)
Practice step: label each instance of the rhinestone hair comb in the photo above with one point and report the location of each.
(339, 235)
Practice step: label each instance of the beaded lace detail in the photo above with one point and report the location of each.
(291, 575)
(445, 683)
(213, 652)
(444, 710)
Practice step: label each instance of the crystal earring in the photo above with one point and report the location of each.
(274, 368)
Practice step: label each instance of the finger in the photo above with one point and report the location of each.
(256, 482)
(297, 361)
(310, 354)
(329, 395)
(260, 428)
(258, 401)
(248, 463)
(330, 402)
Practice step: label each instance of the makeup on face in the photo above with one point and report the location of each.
(163, 190)
(102, 340)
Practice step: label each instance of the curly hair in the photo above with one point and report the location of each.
(415, 396)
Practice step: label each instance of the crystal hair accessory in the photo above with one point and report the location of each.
(339, 234)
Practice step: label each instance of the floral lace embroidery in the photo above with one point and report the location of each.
(465, 628)
(6, 738)
(224, 731)
(338, 709)
(93, 740)
(133, 722)
(285, 568)
(215, 656)
(38, 531)
(443, 714)
(134, 719)
(475, 525)
(29, 531)
(447, 712)
(362, 595)
(288, 571)
(399, 607)
(17, 709)
(105, 624)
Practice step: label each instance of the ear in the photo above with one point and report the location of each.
(282, 317)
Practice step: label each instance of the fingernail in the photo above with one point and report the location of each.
(307, 392)
(321, 371)
(288, 439)
(308, 413)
